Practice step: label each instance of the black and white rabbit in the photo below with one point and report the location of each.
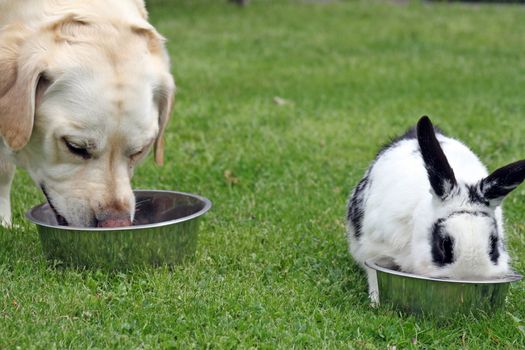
(428, 204)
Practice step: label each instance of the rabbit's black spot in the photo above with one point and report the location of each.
(494, 251)
(442, 245)
(475, 196)
(356, 206)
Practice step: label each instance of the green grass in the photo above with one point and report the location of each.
(272, 268)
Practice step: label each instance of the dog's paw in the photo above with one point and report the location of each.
(5, 212)
(6, 223)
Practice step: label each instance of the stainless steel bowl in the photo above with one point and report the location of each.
(165, 232)
(438, 297)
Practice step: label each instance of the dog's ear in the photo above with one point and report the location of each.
(164, 96)
(18, 88)
(165, 90)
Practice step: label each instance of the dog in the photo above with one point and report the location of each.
(85, 93)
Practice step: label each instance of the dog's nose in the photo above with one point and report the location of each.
(114, 222)
(117, 221)
(116, 214)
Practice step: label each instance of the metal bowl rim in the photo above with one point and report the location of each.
(371, 263)
(206, 201)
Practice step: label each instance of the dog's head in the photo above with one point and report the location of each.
(81, 103)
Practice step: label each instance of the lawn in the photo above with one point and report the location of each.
(272, 268)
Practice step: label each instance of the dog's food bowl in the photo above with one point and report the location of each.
(438, 297)
(165, 232)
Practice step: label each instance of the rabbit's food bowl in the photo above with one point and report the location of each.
(438, 297)
(164, 233)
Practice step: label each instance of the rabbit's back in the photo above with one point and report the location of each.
(395, 191)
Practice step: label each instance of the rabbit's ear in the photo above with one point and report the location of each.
(440, 174)
(502, 181)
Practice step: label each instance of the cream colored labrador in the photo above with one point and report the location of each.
(85, 92)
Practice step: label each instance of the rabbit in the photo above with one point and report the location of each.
(428, 204)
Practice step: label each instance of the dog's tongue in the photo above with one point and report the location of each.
(114, 222)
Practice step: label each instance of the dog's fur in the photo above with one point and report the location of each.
(85, 91)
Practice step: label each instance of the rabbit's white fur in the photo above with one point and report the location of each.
(399, 209)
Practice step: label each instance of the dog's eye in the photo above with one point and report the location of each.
(137, 155)
(77, 149)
